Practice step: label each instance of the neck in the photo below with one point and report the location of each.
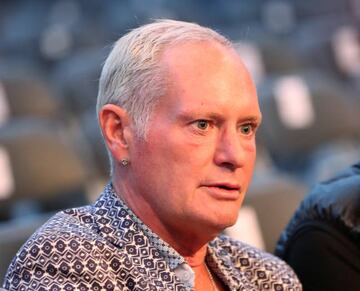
(189, 243)
(196, 259)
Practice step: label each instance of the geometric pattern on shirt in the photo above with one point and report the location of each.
(100, 247)
(171, 256)
(250, 268)
(91, 248)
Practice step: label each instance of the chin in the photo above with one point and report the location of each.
(213, 221)
(223, 222)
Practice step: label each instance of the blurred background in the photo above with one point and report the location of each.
(303, 55)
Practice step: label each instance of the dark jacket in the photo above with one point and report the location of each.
(322, 240)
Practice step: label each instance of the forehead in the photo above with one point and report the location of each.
(207, 73)
(201, 58)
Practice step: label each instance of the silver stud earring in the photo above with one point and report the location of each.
(124, 162)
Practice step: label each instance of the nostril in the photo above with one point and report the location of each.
(229, 166)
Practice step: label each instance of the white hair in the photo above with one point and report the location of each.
(132, 76)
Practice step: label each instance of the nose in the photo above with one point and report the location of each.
(230, 151)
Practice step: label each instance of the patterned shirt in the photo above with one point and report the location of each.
(175, 261)
(106, 247)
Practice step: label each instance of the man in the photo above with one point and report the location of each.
(324, 234)
(178, 112)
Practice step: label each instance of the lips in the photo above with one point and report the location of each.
(223, 190)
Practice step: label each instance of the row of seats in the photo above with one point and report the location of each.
(302, 112)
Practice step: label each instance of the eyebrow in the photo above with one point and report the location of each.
(186, 115)
(255, 119)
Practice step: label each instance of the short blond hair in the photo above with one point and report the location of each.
(132, 76)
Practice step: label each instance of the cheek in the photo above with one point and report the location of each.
(250, 149)
(157, 158)
(173, 151)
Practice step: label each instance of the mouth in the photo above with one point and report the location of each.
(223, 191)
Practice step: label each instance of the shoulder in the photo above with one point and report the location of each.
(239, 250)
(65, 246)
(263, 269)
(76, 223)
(335, 202)
(331, 251)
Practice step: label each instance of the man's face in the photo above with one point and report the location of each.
(196, 163)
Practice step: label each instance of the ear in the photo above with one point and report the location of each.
(115, 126)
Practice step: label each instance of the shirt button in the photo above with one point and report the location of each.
(186, 276)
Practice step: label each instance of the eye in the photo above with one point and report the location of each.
(247, 129)
(202, 124)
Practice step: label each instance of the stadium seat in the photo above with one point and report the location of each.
(26, 97)
(77, 79)
(330, 159)
(274, 198)
(39, 165)
(303, 111)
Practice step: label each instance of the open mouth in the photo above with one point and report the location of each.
(225, 187)
(223, 191)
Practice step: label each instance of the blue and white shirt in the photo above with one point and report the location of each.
(104, 246)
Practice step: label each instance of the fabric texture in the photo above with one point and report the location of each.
(100, 247)
(322, 240)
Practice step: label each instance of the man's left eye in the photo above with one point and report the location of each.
(202, 124)
(246, 129)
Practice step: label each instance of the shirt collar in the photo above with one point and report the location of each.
(171, 256)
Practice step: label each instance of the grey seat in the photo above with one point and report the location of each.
(274, 199)
(77, 77)
(330, 159)
(330, 114)
(27, 97)
(42, 166)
